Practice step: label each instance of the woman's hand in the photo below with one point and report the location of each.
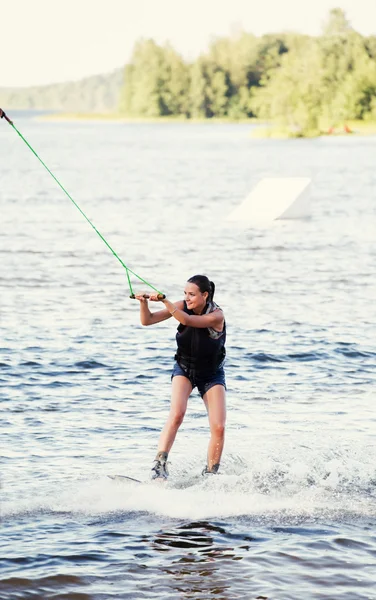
(156, 297)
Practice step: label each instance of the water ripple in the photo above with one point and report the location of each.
(85, 389)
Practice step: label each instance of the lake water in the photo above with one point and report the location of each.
(85, 388)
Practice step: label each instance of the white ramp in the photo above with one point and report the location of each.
(275, 198)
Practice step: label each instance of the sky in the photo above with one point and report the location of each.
(50, 41)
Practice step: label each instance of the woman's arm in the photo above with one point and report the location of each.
(214, 319)
(151, 318)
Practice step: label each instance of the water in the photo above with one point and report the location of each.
(85, 388)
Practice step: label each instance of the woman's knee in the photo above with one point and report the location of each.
(218, 430)
(176, 418)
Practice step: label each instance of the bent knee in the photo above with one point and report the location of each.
(217, 429)
(176, 418)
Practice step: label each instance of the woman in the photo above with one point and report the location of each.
(200, 338)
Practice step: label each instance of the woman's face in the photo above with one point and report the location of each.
(195, 299)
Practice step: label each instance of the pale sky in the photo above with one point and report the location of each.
(49, 41)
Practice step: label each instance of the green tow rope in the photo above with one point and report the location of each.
(127, 269)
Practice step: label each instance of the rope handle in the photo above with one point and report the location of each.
(159, 296)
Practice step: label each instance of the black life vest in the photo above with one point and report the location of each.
(200, 349)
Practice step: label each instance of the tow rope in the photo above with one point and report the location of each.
(127, 269)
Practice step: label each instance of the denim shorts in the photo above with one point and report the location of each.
(203, 381)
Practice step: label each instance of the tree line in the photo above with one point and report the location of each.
(296, 80)
(99, 93)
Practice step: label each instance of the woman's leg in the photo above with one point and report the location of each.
(215, 402)
(180, 392)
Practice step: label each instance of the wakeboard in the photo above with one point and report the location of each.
(159, 481)
(127, 479)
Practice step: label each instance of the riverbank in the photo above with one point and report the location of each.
(262, 131)
(356, 127)
(119, 118)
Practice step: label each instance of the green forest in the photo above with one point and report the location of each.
(99, 93)
(301, 84)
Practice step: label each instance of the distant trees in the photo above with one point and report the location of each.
(99, 93)
(156, 81)
(298, 81)
(301, 83)
(290, 94)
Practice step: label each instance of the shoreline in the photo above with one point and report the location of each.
(118, 118)
(350, 128)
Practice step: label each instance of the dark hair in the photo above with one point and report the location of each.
(203, 284)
